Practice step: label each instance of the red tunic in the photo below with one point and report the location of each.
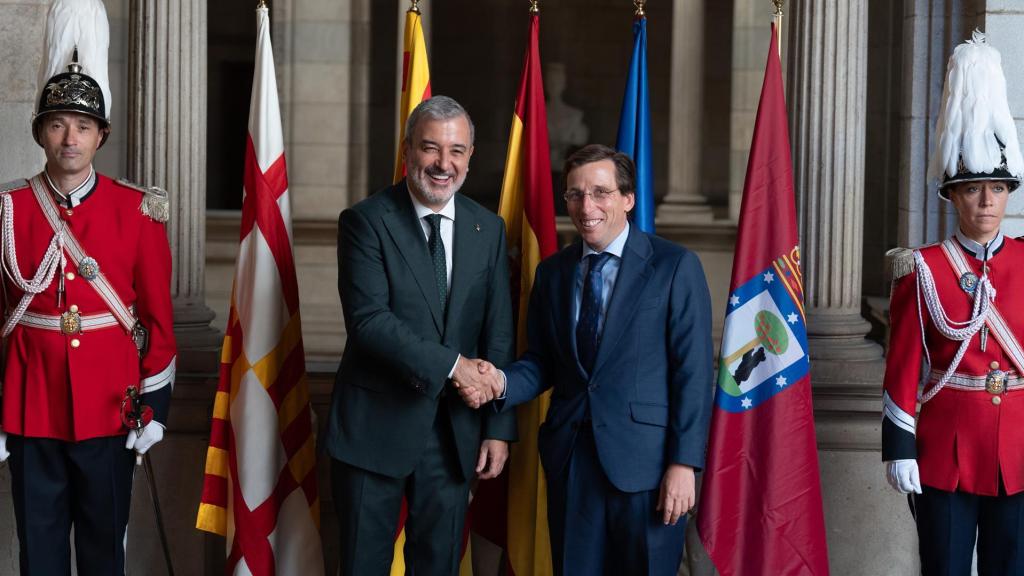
(52, 389)
(965, 440)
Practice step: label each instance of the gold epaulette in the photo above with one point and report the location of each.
(13, 185)
(901, 262)
(155, 202)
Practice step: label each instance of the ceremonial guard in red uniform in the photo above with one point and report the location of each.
(86, 272)
(955, 347)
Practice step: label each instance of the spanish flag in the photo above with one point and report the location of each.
(260, 488)
(527, 205)
(415, 79)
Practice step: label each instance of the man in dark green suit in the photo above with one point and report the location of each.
(424, 285)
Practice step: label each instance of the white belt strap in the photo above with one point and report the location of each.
(995, 321)
(970, 383)
(87, 321)
(99, 283)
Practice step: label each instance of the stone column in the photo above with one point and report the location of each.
(167, 148)
(868, 527)
(828, 72)
(684, 202)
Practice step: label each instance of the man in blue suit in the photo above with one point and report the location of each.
(619, 325)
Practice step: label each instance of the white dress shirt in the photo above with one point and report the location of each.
(447, 228)
(447, 232)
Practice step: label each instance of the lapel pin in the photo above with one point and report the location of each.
(477, 226)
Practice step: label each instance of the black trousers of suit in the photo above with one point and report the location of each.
(598, 530)
(948, 522)
(57, 485)
(369, 505)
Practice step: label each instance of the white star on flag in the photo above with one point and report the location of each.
(747, 403)
(768, 277)
(781, 381)
(734, 300)
(792, 318)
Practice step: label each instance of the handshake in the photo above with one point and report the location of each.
(477, 381)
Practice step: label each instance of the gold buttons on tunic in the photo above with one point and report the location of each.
(69, 211)
(70, 275)
(75, 343)
(997, 400)
(994, 365)
(74, 308)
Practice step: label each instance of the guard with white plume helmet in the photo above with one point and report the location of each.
(977, 137)
(73, 75)
(961, 459)
(87, 329)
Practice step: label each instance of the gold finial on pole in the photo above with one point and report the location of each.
(415, 6)
(639, 5)
(778, 22)
(533, 7)
(261, 4)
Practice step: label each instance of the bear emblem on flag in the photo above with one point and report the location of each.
(764, 346)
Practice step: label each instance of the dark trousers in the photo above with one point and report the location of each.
(369, 504)
(946, 526)
(57, 485)
(596, 529)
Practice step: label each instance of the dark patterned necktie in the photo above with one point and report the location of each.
(436, 246)
(587, 327)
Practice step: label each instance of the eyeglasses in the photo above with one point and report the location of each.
(598, 195)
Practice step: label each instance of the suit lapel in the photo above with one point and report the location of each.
(407, 234)
(634, 271)
(467, 237)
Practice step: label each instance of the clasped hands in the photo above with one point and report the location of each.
(477, 381)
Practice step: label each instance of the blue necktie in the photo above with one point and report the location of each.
(438, 257)
(588, 335)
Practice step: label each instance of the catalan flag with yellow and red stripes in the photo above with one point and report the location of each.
(527, 205)
(415, 89)
(415, 79)
(260, 488)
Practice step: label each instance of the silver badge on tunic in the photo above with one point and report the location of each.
(88, 268)
(70, 323)
(995, 382)
(969, 282)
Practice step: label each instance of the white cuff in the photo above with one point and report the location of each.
(452, 371)
(163, 378)
(897, 415)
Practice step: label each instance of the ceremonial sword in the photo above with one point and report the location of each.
(137, 416)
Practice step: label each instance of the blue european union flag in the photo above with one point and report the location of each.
(635, 128)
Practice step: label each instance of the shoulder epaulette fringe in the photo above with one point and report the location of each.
(901, 262)
(155, 201)
(13, 185)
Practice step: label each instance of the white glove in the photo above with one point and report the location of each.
(143, 441)
(4, 454)
(903, 476)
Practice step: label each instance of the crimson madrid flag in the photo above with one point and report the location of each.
(760, 509)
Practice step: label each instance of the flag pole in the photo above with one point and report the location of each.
(778, 23)
(639, 5)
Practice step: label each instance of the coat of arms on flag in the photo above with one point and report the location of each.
(763, 347)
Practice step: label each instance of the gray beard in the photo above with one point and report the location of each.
(420, 185)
